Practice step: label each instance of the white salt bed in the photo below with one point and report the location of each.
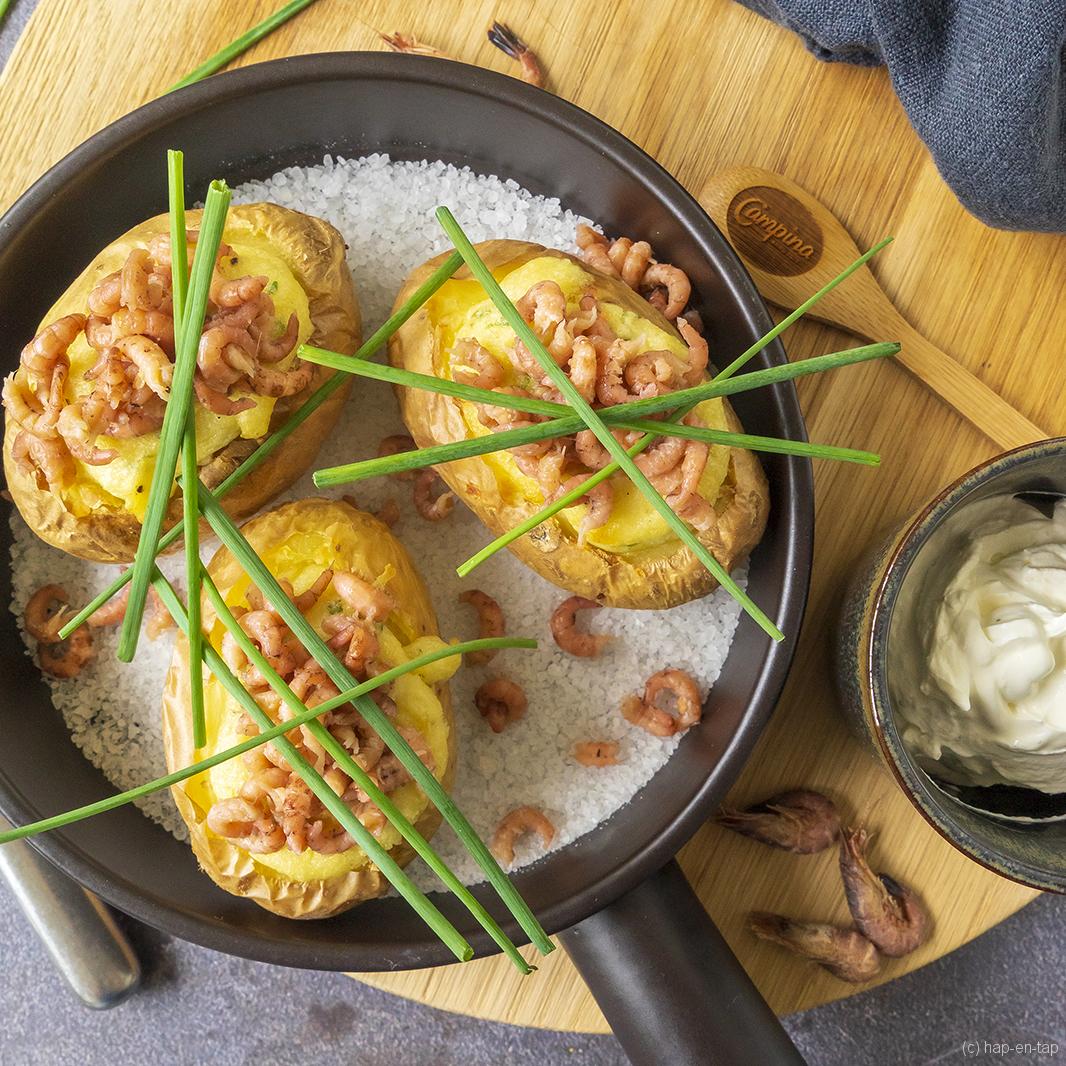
(112, 711)
(385, 212)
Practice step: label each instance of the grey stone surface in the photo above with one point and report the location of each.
(198, 1007)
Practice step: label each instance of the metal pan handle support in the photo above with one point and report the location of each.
(669, 985)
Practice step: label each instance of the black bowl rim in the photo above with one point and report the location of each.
(798, 521)
(912, 538)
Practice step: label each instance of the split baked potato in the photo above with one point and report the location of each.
(298, 542)
(632, 560)
(93, 508)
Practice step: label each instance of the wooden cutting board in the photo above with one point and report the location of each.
(701, 85)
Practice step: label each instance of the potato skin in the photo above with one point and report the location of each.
(229, 866)
(651, 579)
(314, 251)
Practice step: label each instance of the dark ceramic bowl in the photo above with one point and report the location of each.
(1032, 852)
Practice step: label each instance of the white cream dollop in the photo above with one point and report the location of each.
(991, 701)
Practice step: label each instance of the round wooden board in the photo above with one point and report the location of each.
(702, 85)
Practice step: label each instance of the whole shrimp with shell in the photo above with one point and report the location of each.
(499, 34)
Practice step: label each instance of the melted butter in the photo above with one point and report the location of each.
(460, 309)
(123, 483)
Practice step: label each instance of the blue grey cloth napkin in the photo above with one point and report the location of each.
(983, 83)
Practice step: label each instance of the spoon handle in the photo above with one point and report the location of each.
(997, 419)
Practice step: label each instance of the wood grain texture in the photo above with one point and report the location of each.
(702, 85)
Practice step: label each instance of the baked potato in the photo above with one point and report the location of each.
(296, 863)
(84, 408)
(618, 552)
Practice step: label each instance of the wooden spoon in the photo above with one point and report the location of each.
(793, 245)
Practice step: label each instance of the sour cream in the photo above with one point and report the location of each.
(989, 703)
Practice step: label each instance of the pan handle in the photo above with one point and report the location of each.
(669, 985)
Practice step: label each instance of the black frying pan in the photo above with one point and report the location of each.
(664, 977)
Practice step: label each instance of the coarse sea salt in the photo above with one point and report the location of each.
(385, 209)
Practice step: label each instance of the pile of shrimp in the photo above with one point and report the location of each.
(130, 324)
(606, 370)
(275, 808)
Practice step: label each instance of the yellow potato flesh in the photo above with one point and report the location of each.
(301, 558)
(461, 310)
(125, 480)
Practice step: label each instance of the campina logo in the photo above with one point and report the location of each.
(774, 230)
(755, 211)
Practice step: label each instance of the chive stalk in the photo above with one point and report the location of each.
(565, 424)
(707, 390)
(179, 260)
(505, 440)
(350, 767)
(176, 416)
(388, 866)
(119, 799)
(256, 569)
(379, 337)
(561, 380)
(224, 56)
(569, 499)
(179, 263)
(797, 313)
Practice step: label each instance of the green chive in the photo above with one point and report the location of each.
(261, 576)
(179, 256)
(593, 421)
(314, 781)
(564, 427)
(348, 765)
(796, 314)
(176, 416)
(620, 415)
(411, 379)
(179, 259)
(226, 55)
(531, 523)
(119, 799)
(280, 435)
(637, 408)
